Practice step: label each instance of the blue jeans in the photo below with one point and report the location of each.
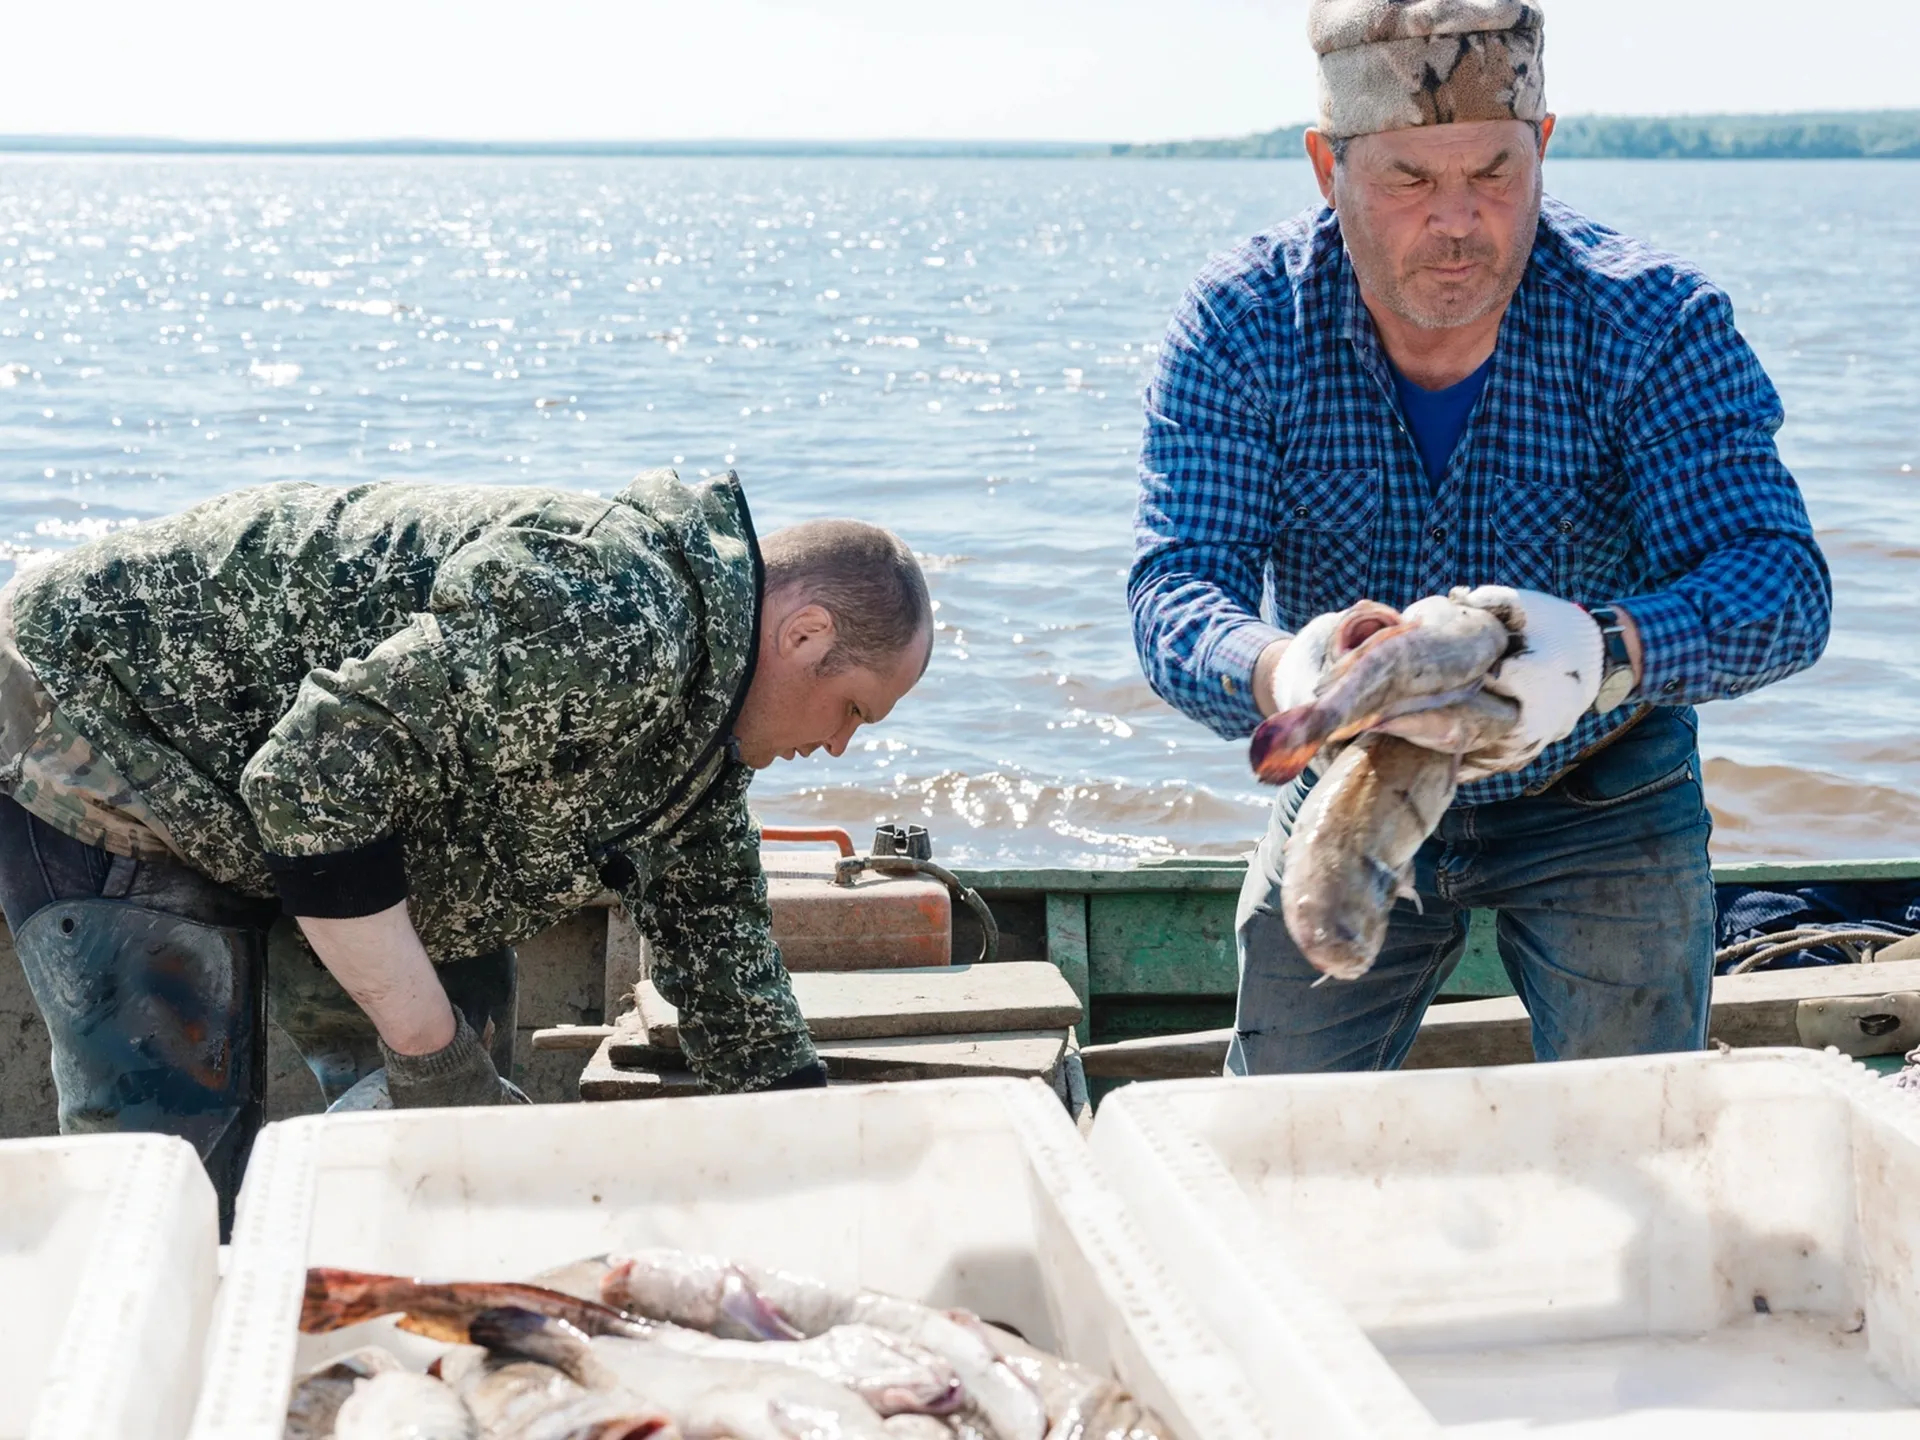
(1605, 920)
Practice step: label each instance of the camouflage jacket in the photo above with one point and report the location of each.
(523, 696)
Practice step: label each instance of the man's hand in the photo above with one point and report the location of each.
(1553, 676)
(460, 1074)
(433, 1057)
(1288, 671)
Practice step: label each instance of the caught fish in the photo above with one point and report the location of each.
(1383, 665)
(400, 1405)
(708, 1399)
(1081, 1403)
(705, 1292)
(524, 1400)
(1352, 847)
(318, 1395)
(337, 1298)
(888, 1371)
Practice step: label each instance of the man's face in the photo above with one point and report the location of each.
(793, 709)
(1439, 220)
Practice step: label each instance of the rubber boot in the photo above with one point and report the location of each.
(158, 1025)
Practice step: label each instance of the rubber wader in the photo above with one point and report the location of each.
(158, 1023)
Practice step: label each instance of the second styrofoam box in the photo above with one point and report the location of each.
(973, 1193)
(109, 1251)
(1693, 1245)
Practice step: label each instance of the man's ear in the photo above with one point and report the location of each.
(1320, 154)
(806, 634)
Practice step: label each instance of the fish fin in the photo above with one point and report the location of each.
(508, 1330)
(1405, 888)
(753, 1312)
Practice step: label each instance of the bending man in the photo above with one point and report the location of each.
(425, 722)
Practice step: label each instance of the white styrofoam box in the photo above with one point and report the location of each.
(974, 1193)
(108, 1262)
(1693, 1245)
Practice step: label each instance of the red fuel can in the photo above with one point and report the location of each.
(877, 922)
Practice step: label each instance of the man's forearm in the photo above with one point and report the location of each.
(379, 960)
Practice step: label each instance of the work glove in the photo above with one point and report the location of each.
(460, 1074)
(1553, 676)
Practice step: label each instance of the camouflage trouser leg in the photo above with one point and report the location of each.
(335, 1037)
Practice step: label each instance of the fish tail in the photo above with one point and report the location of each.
(336, 1299)
(1285, 743)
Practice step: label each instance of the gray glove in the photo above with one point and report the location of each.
(460, 1074)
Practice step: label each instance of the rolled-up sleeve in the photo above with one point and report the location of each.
(1713, 504)
(1204, 526)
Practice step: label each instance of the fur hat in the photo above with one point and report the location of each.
(1394, 64)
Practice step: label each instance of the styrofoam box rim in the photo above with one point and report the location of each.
(251, 1349)
(145, 1291)
(1144, 1140)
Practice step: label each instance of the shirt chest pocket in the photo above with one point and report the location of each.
(1329, 521)
(1554, 538)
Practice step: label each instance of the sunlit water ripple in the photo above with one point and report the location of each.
(953, 348)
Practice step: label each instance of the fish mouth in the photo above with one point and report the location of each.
(1361, 623)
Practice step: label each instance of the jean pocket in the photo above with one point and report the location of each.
(1658, 754)
(1323, 550)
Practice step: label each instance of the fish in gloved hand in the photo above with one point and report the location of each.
(1382, 669)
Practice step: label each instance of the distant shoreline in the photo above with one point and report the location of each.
(1827, 135)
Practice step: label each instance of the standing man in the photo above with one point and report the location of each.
(1440, 380)
(424, 722)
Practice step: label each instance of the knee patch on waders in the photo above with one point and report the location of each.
(158, 1024)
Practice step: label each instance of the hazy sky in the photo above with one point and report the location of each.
(844, 69)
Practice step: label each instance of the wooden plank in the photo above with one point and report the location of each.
(1179, 944)
(603, 1080)
(880, 1004)
(1067, 949)
(1748, 1010)
(572, 1037)
(1021, 1054)
(1191, 1056)
(1033, 1055)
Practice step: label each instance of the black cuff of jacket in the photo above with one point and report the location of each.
(808, 1077)
(344, 885)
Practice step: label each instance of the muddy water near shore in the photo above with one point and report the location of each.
(954, 348)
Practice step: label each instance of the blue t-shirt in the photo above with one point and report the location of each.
(1438, 417)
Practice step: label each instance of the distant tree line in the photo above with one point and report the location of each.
(1868, 135)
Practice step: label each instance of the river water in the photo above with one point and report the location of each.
(953, 348)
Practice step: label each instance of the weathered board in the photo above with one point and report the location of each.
(879, 1004)
(1025, 1055)
(1758, 1009)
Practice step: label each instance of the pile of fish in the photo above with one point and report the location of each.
(1405, 689)
(666, 1345)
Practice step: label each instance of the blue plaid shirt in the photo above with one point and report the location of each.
(1621, 453)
